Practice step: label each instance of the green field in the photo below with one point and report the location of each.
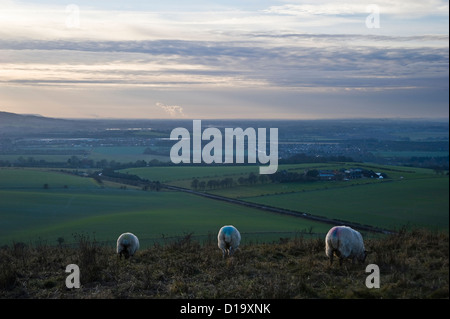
(185, 174)
(416, 197)
(123, 154)
(418, 203)
(19, 178)
(70, 204)
(29, 212)
(408, 154)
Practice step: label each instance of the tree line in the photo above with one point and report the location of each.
(77, 162)
(252, 179)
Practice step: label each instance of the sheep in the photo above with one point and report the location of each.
(127, 244)
(345, 242)
(228, 239)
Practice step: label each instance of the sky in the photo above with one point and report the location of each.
(231, 59)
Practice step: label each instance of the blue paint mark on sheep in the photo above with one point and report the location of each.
(227, 230)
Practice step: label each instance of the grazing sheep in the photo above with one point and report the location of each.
(228, 239)
(127, 244)
(345, 242)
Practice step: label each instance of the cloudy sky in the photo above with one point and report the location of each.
(225, 59)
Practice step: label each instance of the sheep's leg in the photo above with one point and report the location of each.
(329, 252)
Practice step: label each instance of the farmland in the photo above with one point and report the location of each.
(419, 203)
(410, 196)
(31, 212)
(50, 204)
(65, 196)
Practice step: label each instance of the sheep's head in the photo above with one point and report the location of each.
(364, 256)
(125, 253)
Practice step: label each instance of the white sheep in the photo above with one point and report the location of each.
(344, 242)
(228, 240)
(127, 244)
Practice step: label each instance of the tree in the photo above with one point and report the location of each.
(242, 180)
(263, 178)
(74, 161)
(312, 173)
(226, 182)
(102, 164)
(212, 183)
(195, 183)
(252, 178)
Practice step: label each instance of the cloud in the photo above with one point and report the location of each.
(171, 110)
(106, 21)
(212, 56)
(411, 8)
(327, 61)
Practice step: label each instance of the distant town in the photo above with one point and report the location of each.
(27, 140)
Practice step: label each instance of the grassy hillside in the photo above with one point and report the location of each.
(413, 264)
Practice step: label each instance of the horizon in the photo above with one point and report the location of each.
(426, 119)
(272, 59)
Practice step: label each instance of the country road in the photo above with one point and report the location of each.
(267, 208)
(277, 210)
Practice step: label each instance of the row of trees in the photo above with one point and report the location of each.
(77, 162)
(282, 176)
(228, 182)
(212, 184)
(129, 179)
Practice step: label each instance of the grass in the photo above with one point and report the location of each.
(410, 195)
(29, 212)
(29, 215)
(179, 257)
(23, 178)
(123, 154)
(413, 264)
(408, 154)
(420, 202)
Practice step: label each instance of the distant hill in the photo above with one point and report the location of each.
(12, 123)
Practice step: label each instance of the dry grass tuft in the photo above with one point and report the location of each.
(413, 264)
